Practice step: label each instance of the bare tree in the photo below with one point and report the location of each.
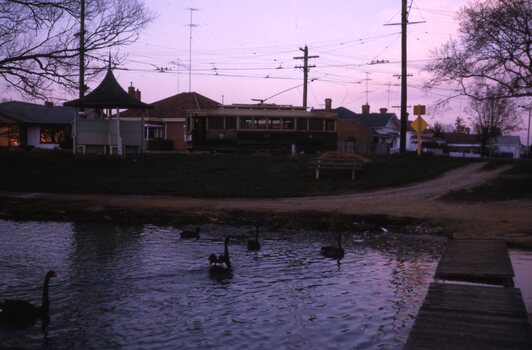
(39, 40)
(492, 116)
(493, 49)
(440, 128)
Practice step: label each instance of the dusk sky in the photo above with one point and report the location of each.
(243, 50)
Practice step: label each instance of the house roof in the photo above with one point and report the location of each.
(30, 113)
(109, 94)
(508, 140)
(176, 106)
(341, 112)
(460, 138)
(375, 120)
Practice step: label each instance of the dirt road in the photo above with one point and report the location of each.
(511, 220)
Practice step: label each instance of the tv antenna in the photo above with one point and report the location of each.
(191, 25)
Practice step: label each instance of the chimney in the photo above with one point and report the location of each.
(365, 109)
(383, 110)
(137, 94)
(328, 103)
(131, 90)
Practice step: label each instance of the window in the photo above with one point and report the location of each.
(259, 123)
(315, 124)
(215, 123)
(246, 123)
(153, 132)
(302, 124)
(52, 134)
(230, 123)
(329, 125)
(288, 124)
(274, 123)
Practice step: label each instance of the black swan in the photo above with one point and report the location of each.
(336, 252)
(22, 314)
(190, 233)
(220, 267)
(253, 244)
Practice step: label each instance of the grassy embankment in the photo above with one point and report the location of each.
(214, 175)
(513, 184)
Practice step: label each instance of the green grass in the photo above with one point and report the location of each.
(513, 184)
(207, 175)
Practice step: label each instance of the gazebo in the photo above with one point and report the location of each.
(100, 131)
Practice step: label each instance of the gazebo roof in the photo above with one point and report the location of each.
(109, 94)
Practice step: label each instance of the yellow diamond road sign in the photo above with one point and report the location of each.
(419, 124)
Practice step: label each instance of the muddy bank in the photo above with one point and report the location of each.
(52, 210)
(413, 208)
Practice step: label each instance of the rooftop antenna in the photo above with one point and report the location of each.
(367, 89)
(191, 25)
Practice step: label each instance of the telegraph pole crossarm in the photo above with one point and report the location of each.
(306, 68)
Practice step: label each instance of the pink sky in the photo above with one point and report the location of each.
(243, 50)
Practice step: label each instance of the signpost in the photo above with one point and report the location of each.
(419, 125)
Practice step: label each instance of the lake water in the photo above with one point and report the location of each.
(142, 287)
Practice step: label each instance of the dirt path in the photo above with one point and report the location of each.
(511, 220)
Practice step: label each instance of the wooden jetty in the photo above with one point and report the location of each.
(465, 316)
(471, 317)
(480, 261)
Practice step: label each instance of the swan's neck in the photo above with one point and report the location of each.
(339, 240)
(226, 253)
(45, 300)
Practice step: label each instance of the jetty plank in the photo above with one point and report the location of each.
(482, 261)
(471, 317)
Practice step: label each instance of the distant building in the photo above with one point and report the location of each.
(509, 146)
(24, 125)
(166, 120)
(460, 144)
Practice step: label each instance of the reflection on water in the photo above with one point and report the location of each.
(142, 287)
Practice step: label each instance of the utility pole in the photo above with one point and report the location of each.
(306, 68)
(404, 116)
(82, 51)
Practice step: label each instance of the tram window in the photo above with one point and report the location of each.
(197, 123)
(215, 123)
(288, 123)
(230, 123)
(302, 124)
(246, 123)
(274, 123)
(260, 123)
(315, 124)
(329, 125)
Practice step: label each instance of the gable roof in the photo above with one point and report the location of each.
(460, 138)
(31, 113)
(176, 106)
(109, 94)
(508, 140)
(375, 120)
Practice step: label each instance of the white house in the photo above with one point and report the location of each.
(508, 144)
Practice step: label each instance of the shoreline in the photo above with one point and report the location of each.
(319, 213)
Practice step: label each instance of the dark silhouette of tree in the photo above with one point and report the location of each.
(493, 49)
(440, 129)
(492, 116)
(39, 40)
